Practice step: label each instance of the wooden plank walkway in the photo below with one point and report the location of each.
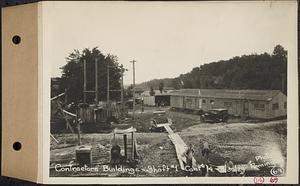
(180, 147)
(168, 129)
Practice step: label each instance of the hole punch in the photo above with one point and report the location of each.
(16, 39)
(17, 146)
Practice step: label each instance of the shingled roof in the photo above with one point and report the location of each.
(265, 95)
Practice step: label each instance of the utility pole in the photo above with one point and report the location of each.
(84, 81)
(78, 122)
(107, 94)
(283, 75)
(122, 89)
(78, 132)
(133, 104)
(96, 81)
(66, 97)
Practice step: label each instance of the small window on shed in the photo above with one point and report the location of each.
(203, 100)
(284, 105)
(275, 106)
(259, 106)
(227, 104)
(188, 100)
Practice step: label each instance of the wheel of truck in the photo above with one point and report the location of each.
(225, 120)
(202, 119)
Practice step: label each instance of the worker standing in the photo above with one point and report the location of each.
(201, 114)
(143, 104)
(189, 156)
(115, 154)
(229, 166)
(205, 150)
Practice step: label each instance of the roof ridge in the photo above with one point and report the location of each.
(229, 93)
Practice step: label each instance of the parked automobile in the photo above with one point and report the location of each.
(129, 103)
(159, 112)
(157, 123)
(215, 115)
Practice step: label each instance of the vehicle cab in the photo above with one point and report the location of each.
(215, 115)
(158, 122)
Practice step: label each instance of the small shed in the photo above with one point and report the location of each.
(162, 100)
(129, 142)
(149, 100)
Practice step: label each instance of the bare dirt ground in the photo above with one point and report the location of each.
(241, 142)
(180, 120)
(154, 149)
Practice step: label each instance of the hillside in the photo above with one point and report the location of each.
(255, 71)
(168, 82)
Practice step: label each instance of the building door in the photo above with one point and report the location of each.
(246, 108)
(200, 103)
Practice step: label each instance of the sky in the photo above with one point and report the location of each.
(165, 38)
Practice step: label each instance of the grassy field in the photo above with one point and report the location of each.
(241, 142)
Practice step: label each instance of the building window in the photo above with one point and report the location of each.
(212, 101)
(203, 100)
(275, 106)
(227, 104)
(284, 105)
(188, 100)
(259, 106)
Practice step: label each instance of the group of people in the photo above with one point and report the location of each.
(190, 152)
(229, 166)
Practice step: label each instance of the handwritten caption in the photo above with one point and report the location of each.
(123, 169)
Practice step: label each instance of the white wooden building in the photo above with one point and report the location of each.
(265, 104)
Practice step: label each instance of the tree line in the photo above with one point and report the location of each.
(256, 71)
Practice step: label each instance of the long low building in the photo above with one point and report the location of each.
(264, 104)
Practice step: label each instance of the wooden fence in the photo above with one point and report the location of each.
(93, 113)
